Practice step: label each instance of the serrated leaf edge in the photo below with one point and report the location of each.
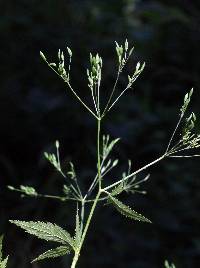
(65, 239)
(59, 251)
(126, 210)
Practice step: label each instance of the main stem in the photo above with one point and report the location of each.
(77, 252)
(98, 153)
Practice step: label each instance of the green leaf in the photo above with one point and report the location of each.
(127, 211)
(108, 145)
(78, 232)
(53, 253)
(117, 190)
(3, 263)
(47, 231)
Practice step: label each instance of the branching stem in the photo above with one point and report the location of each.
(134, 173)
(73, 91)
(111, 95)
(174, 132)
(77, 252)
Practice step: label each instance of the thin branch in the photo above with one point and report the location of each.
(134, 173)
(93, 98)
(93, 184)
(57, 197)
(82, 214)
(174, 132)
(111, 95)
(80, 100)
(186, 156)
(98, 96)
(118, 97)
(76, 95)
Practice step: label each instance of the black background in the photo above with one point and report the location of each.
(36, 109)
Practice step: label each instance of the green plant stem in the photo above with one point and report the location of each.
(186, 156)
(174, 132)
(94, 182)
(56, 197)
(98, 153)
(80, 100)
(77, 252)
(111, 95)
(75, 259)
(116, 100)
(82, 214)
(72, 90)
(134, 173)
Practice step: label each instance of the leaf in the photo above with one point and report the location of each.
(47, 231)
(78, 233)
(108, 146)
(117, 190)
(127, 211)
(53, 253)
(112, 144)
(3, 263)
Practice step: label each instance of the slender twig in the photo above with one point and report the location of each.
(78, 188)
(82, 213)
(76, 95)
(107, 171)
(80, 100)
(134, 173)
(174, 132)
(116, 100)
(93, 184)
(111, 95)
(98, 153)
(98, 92)
(187, 156)
(93, 98)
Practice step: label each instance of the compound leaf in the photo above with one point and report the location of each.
(127, 211)
(47, 231)
(53, 253)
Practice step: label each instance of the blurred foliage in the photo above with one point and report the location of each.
(35, 111)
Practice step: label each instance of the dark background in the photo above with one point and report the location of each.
(35, 110)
